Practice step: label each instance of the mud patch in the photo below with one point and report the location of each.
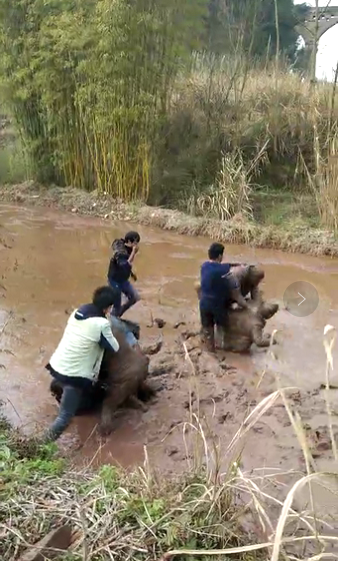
(202, 403)
(52, 263)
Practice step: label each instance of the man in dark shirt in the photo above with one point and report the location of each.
(218, 290)
(120, 271)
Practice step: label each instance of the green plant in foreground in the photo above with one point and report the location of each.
(23, 461)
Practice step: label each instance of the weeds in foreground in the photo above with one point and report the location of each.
(143, 516)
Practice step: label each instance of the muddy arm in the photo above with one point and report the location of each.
(237, 265)
(237, 296)
(256, 294)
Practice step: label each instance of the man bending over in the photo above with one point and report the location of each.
(76, 362)
(218, 290)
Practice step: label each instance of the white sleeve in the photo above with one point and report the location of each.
(107, 339)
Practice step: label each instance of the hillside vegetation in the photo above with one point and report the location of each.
(192, 106)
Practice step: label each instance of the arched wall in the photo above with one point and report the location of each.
(326, 20)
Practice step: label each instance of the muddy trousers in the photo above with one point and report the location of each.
(129, 292)
(210, 319)
(70, 403)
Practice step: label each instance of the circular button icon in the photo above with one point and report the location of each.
(301, 299)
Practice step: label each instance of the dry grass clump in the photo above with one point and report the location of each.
(115, 514)
(127, 516)
(323, 182)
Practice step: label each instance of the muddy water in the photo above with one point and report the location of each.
(51, 262)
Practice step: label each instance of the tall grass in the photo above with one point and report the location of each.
(323, 182)
(235, 111)
(14, 167)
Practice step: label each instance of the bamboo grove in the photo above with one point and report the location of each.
(88, 83)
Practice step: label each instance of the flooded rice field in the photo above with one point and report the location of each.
(51, 262)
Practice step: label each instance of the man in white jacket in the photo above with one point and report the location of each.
(76, 362)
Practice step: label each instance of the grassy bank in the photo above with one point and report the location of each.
(277, 230)
(114, 514)
(142, 516)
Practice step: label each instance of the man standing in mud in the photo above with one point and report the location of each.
(120, 271)
(218, 290)
(75, 364)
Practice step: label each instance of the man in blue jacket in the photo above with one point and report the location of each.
(76, 362)
(218, 290)
(120, 271)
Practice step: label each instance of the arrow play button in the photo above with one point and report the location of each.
(301, 299)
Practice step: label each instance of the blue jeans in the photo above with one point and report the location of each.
(70, 402)
(120, 325)
(129, 291)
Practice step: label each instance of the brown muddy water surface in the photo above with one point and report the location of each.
(51, 262)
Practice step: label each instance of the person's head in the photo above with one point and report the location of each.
(104, 298)
(216, 252)
(131, 239)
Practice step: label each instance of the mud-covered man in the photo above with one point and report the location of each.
(76, 362)
(218, 290)
(120, 271)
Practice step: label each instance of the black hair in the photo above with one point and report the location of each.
(215, 251)
(104, 297)
(132, 237)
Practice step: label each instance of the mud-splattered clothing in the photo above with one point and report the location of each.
(119, 269)
(215, 299)
(119, 272)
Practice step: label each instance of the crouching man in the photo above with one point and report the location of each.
(76, 362)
